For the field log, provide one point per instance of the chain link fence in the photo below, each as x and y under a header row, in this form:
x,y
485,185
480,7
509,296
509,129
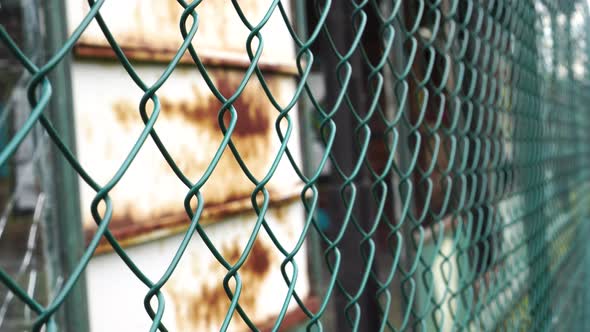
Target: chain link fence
x,y
445,175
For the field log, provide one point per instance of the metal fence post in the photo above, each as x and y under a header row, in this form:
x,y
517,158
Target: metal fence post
x,y
63,192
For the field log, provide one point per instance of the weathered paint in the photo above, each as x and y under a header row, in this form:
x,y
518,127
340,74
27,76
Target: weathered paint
x,y
149,198
148,216
195,298
149,30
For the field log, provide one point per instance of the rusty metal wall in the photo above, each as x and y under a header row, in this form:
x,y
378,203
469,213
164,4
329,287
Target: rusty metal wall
x,y
108,122
148,30
149,217
195,298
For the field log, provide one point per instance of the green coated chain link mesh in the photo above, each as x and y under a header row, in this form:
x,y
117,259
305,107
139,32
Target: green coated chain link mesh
x,y
466,180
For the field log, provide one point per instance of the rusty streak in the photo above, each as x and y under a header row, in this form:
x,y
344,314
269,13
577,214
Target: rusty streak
x,y
150,55
211,304
252,108
129,231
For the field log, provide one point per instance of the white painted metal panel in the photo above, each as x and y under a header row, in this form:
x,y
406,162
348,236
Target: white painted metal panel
x,y
195,300
150,30
149,198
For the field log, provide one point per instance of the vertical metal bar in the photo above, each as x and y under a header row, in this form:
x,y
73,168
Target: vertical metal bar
x,y
64,211
586,260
